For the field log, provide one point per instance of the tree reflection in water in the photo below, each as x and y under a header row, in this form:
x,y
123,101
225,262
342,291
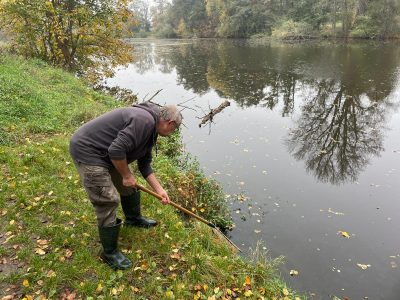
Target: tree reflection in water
x,y
337,133
344,91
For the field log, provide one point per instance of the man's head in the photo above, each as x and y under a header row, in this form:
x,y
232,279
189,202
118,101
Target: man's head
x,y
170,119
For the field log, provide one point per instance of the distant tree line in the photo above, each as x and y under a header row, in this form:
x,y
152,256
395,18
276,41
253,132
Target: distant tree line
x,y
286,19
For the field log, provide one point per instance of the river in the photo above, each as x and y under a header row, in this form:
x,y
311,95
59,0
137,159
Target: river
x,y
308,151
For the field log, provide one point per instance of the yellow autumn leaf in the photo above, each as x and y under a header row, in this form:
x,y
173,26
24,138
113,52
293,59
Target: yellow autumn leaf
x,y
99,288
247,281
285,292
262,290
344,233
134,289
39,251
364,267
248,293
51,274
25,283
205,287
169,294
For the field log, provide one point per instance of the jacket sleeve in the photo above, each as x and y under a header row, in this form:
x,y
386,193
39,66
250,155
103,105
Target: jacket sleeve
x,y
135,133
144,164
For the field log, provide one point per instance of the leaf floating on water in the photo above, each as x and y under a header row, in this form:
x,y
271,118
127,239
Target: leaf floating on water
x,y
294,273
364,267
257,231
344,233
335,212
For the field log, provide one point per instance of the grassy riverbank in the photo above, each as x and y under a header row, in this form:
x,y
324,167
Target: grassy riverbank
x,y
48,235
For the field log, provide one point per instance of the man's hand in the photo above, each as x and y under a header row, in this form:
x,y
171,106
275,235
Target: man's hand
x,y
156,186
165,199
129,181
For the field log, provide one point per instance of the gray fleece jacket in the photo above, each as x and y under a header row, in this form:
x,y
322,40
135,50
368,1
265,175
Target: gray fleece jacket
x,y
128,132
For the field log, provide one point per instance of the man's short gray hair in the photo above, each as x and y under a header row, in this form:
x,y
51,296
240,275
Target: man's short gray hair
x,y
171,113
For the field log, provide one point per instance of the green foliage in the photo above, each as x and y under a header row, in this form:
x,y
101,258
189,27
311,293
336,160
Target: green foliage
x,y
80,36
243,18
188,185
292,30
381,19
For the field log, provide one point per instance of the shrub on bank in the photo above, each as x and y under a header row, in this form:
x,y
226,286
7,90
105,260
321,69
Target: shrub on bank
x,y
291,30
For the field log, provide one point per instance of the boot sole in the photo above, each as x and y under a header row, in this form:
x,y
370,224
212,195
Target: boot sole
x,y
112,266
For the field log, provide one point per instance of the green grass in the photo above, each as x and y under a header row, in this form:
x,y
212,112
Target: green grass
x,y
48,237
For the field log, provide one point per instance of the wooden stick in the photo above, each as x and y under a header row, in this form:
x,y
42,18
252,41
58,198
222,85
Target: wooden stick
x,y
144,189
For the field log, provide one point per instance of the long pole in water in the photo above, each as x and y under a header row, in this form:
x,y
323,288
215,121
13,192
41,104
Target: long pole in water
x,y
177,206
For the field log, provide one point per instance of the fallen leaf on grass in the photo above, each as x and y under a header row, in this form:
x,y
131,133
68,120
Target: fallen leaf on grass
x,y
247,281
169,294
25,283
248,293
175,256
285,292
68,253
135,289
40,251
67,295
172,267
51,274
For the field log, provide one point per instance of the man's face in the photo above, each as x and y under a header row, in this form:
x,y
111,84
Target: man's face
x,y
165,128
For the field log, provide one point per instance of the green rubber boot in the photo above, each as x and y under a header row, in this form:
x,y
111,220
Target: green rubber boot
x,y
131,208
110,254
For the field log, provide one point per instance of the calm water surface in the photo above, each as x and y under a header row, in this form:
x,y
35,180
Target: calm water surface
x,y
309,147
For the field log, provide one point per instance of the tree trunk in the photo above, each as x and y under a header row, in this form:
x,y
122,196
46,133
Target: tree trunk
x,y
334,18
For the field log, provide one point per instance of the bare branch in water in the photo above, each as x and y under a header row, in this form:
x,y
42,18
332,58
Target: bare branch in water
x,y
209,117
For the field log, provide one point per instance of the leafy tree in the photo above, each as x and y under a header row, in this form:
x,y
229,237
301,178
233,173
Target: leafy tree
x,y
182,31
81,36
141,9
